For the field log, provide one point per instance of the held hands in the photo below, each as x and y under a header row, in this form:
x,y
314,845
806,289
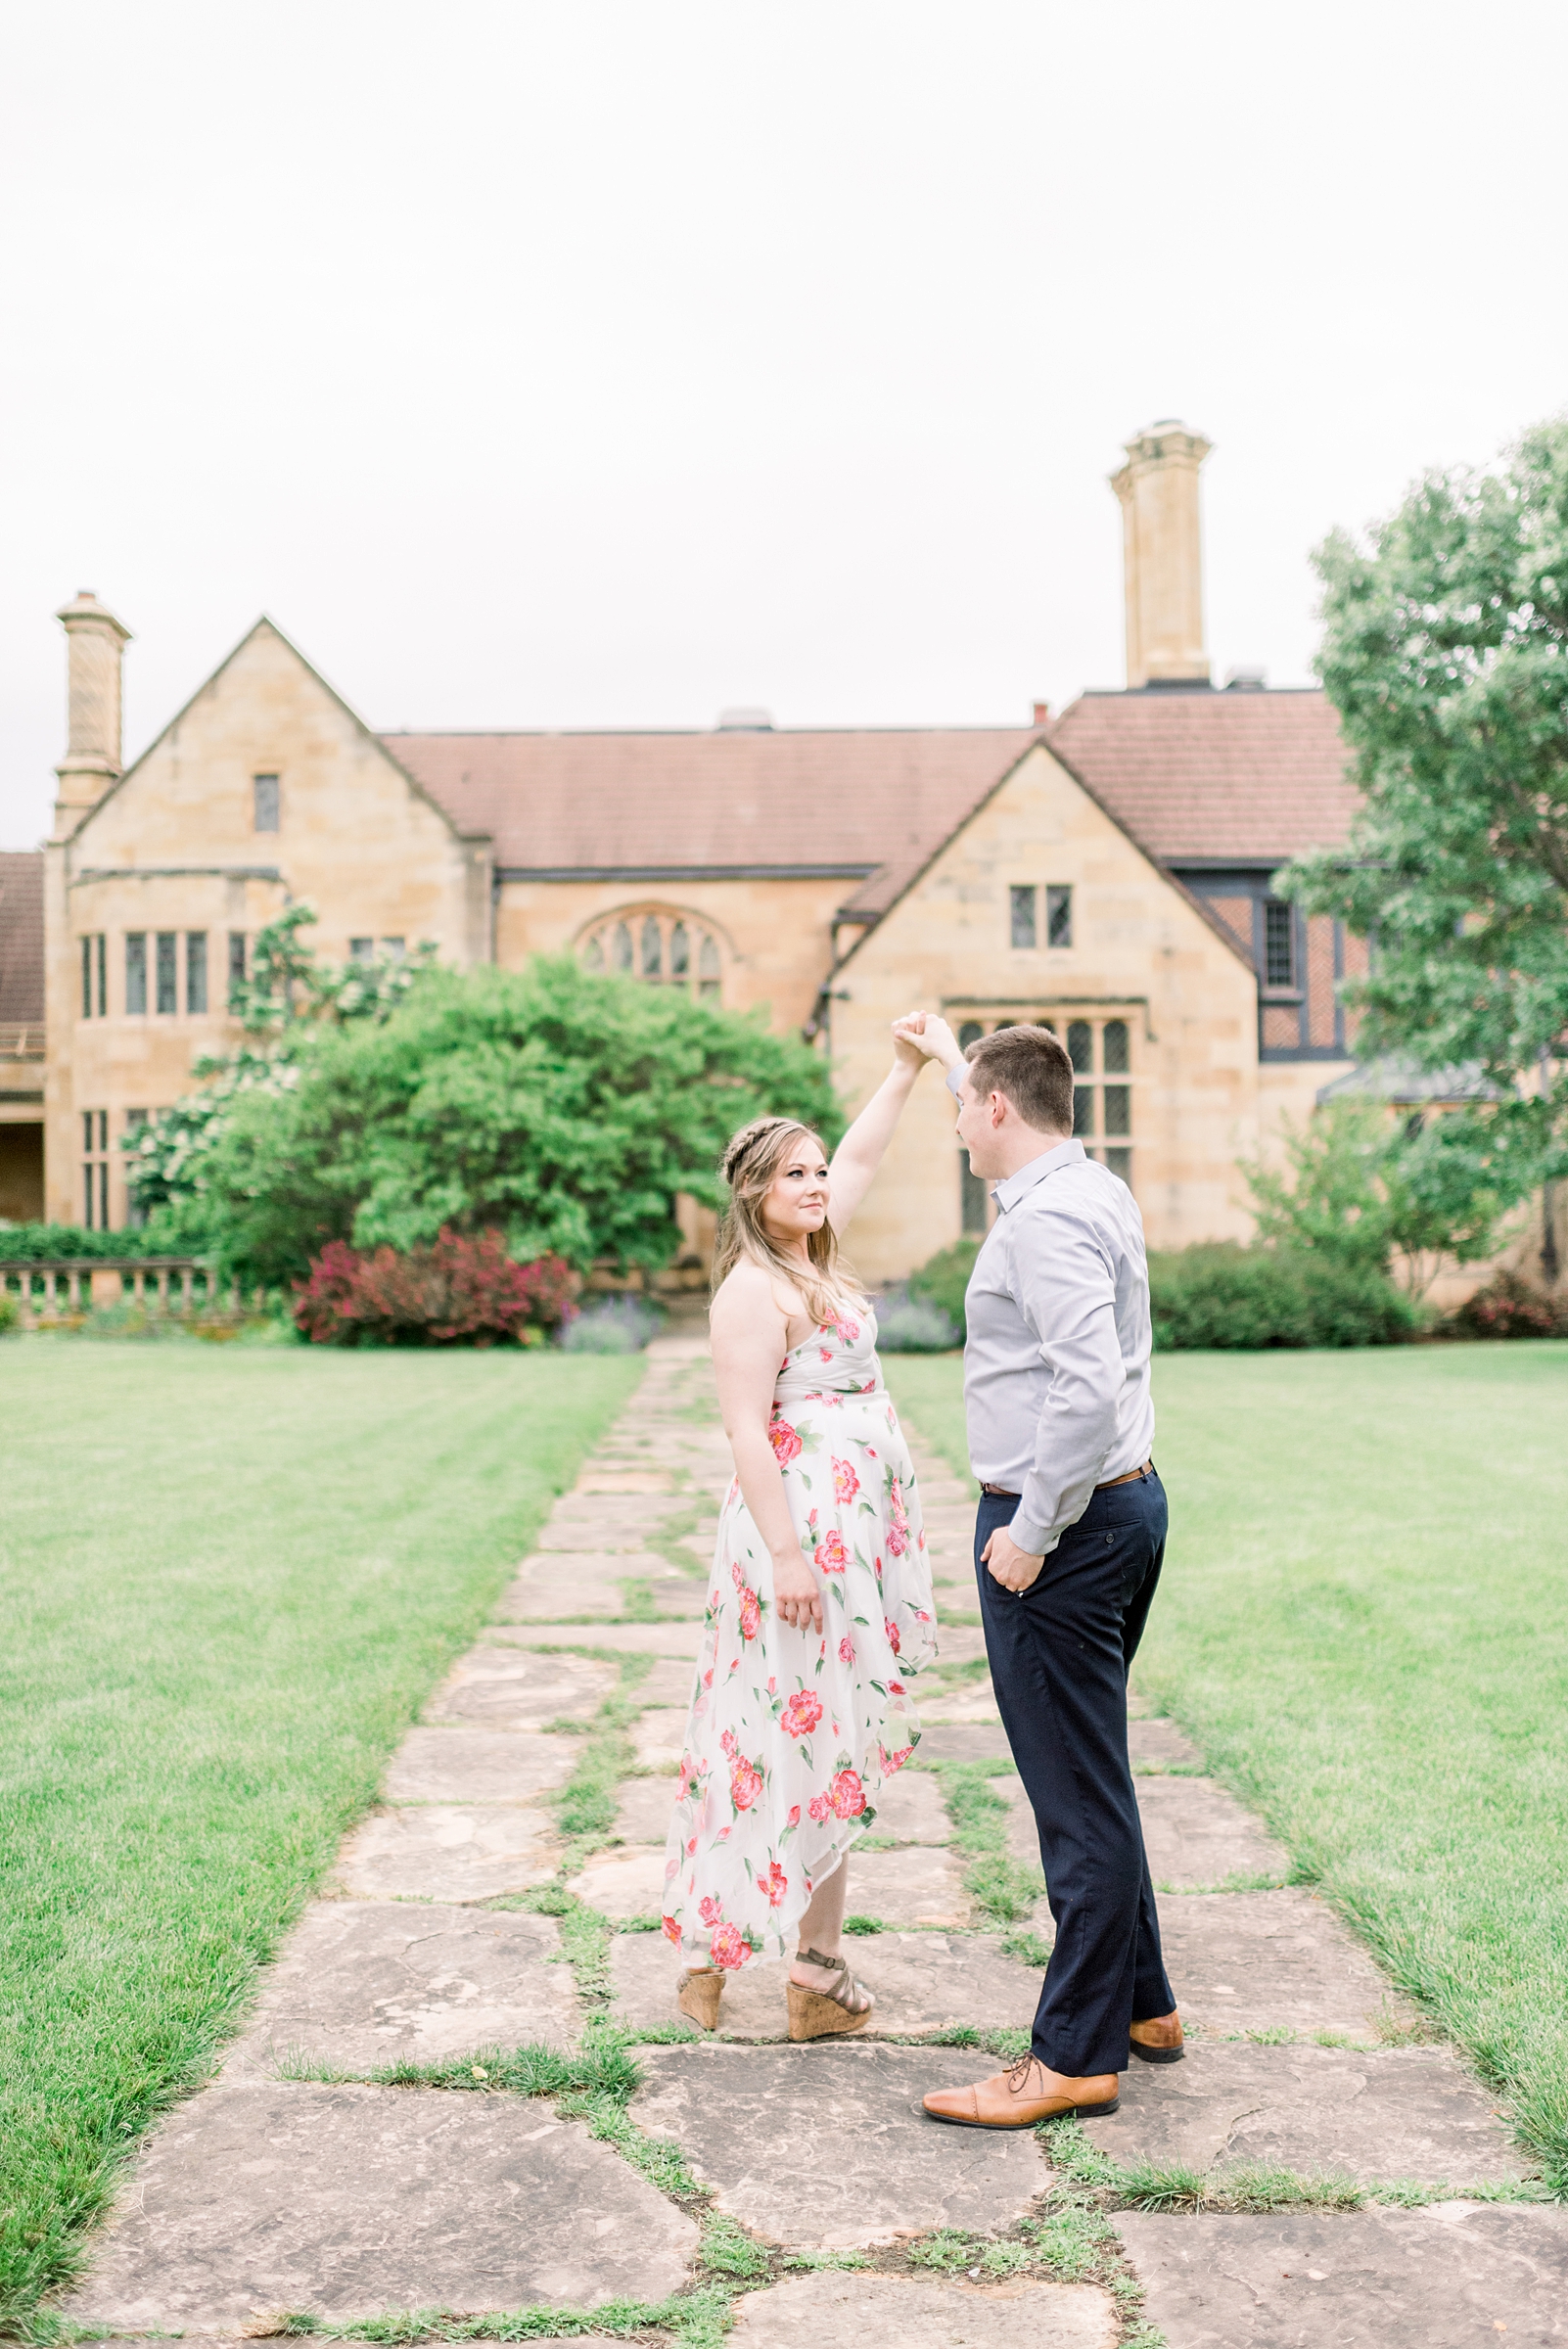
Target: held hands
x,y
924,1036
1014,1568
797,1593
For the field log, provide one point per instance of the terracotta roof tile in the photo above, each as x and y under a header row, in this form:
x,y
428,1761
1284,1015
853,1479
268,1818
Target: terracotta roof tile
x,y
873,805
1252,777
21,937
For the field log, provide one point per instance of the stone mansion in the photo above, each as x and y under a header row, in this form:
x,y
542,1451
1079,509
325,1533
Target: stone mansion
x,y
1108,871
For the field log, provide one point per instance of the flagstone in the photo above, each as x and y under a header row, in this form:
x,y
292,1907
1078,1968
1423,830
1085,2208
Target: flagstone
x,y
643,1810
604,1479
967,1701
916,1885
902,2312
1448,2276
1155,1743
1196,1835
910,1806
1269,1961
922,1982
825,2147
453,1765
626,1882
508,1688
1385,2115
349,2202
659,1736
669,1686
366,1983
555,1584
620,1638
958,1644
960,1741
447,1852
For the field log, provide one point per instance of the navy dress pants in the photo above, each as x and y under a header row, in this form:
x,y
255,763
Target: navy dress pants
x,y
1059,1658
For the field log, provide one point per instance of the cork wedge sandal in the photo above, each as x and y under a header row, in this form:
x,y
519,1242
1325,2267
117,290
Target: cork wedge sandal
x,y
698,1994
826,2014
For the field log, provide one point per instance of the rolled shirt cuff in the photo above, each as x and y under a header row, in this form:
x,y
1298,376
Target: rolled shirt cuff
x,y
955,1082
1033,1540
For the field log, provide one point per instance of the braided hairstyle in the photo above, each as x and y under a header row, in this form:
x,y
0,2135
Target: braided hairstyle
x,y
751,1162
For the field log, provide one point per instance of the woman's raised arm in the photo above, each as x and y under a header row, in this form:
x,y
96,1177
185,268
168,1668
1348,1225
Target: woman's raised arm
x,y
861,1151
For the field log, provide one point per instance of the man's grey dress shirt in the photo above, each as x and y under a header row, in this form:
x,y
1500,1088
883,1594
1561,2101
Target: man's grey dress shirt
x,y
1056,1367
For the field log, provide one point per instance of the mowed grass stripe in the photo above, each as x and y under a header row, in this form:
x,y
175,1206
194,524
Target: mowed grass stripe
x,y
1365,1622
228,1580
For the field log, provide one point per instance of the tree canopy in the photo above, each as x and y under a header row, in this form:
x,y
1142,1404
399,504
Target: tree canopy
x,y
1446,653
565,1108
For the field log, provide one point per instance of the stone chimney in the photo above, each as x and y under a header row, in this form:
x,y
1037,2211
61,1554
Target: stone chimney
x,y
1163,556
92,760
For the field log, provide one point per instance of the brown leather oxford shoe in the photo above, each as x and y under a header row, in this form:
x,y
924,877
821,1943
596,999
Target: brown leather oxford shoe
x,y
1159,2040
1017,2098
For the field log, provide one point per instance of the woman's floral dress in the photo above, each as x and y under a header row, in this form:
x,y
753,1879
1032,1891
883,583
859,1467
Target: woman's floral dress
x,y
792,1732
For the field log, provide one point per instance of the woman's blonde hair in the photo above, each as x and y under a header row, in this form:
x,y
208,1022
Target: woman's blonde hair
x,y
749,1165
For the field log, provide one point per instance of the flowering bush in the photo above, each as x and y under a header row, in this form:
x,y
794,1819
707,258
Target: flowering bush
x,y
459,1292
1510,1307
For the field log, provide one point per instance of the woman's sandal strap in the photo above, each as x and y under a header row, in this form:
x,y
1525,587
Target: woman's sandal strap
x,y
846,1985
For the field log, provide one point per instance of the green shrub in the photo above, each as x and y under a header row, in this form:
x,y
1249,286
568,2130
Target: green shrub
x,y
44,1243
9,1314
908,1324
616,1326
1223,1296
945,1280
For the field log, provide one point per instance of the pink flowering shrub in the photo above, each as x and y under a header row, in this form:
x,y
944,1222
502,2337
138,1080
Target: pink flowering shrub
x,y
461,1292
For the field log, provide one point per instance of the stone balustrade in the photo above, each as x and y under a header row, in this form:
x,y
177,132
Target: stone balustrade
x,y
74,1285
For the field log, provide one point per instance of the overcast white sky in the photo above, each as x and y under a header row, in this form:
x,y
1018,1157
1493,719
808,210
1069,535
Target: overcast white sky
x,y
600,363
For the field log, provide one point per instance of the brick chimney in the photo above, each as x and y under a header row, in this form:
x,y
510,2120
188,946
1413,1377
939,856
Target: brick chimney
x,y
96,640
1163,555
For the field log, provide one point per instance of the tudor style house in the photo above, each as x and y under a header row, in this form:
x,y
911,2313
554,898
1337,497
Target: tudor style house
x,y
1110,873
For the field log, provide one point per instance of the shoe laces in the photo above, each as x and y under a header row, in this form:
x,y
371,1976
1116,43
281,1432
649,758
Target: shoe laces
x,y
1018,2073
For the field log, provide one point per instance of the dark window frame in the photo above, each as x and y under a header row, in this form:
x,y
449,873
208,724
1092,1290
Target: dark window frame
x,y
167,974
1022,915
266,803
196,973
1059,916
136,973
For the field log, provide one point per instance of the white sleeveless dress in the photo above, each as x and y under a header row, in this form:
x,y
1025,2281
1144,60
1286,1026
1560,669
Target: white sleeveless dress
x,y
793,1733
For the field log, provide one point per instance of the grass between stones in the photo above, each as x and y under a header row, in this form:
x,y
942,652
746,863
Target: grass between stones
x,y
1001,1887
229,1578
1365,1623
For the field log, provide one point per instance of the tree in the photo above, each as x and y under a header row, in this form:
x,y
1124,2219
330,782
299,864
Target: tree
x,y
565,1108
1360,1190
287,995
1446,653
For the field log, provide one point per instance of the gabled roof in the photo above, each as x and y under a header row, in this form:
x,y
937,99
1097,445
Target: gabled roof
x,y
269,627
21,937
866,804
1203,778
1172,881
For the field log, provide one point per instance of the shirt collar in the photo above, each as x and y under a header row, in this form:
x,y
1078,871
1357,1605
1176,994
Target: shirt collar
x,y
1014,1187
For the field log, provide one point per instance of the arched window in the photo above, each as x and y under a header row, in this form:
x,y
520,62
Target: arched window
x,y
658,945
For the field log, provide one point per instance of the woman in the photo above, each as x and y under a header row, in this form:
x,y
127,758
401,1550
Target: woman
x,y
820,1609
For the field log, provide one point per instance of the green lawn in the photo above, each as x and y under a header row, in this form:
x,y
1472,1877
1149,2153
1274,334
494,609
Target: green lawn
x,y
228,1577
1364,1620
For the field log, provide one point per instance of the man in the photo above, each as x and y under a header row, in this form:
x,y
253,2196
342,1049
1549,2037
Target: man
x,y
1068,1546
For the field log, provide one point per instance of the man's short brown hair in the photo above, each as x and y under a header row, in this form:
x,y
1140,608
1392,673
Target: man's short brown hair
x,y
1031,1066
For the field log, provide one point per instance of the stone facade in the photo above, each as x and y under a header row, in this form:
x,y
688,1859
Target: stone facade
x,y
1109,873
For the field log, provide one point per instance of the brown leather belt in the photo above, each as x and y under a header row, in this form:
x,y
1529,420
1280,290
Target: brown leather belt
x,y
1132,1477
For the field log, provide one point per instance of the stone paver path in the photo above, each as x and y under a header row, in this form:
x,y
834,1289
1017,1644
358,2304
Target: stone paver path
x,y
501,1897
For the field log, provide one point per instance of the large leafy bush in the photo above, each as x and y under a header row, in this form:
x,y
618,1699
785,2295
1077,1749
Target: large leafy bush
x,y
1221,1295
564,1109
